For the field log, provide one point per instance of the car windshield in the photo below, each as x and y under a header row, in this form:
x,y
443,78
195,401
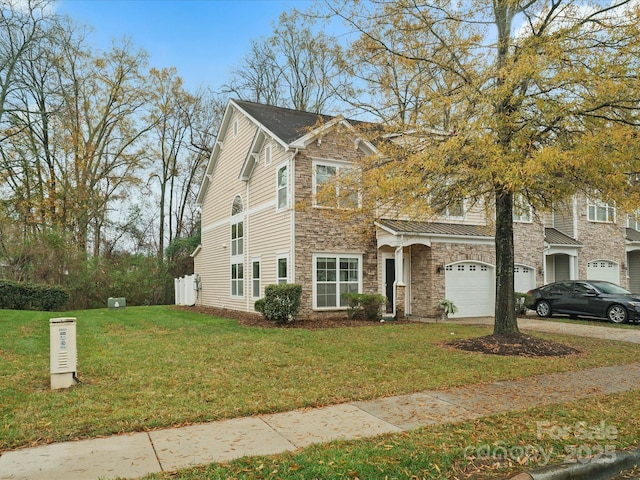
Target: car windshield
x,y
610,288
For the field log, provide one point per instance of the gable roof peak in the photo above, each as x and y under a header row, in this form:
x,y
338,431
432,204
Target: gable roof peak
x,y
286,124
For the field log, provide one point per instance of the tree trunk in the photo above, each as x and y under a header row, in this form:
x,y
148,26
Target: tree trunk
x,y
505,313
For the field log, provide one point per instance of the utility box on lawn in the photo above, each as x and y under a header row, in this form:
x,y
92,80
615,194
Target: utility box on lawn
x,y
119,302
63,353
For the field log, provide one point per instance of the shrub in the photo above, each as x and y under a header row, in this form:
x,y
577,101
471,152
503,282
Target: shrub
x,y
447,307
280,303
364,305
26,296
522,300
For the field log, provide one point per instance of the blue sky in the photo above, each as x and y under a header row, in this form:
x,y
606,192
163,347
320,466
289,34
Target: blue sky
x,y
204,39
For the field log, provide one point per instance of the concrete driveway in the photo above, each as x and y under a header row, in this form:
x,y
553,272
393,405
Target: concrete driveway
x,y
599,329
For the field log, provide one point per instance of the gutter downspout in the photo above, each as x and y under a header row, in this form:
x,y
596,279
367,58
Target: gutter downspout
x,y
247,250
292,228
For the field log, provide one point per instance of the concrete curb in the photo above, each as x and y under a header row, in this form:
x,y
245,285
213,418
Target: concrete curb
x,y
594,469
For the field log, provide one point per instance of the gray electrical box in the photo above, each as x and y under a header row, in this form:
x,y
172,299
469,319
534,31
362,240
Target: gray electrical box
x,y
63,352
119,302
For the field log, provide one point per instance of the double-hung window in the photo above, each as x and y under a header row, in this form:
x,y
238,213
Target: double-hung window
x,y
282,186
255,278
335,185
598,211
333,276
282,269
522,211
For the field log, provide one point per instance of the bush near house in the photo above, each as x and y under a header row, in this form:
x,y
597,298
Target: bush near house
x,y
364,305
521,302
31,296
280,303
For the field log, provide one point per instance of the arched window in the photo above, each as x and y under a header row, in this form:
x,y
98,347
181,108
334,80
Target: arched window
x,y
237,205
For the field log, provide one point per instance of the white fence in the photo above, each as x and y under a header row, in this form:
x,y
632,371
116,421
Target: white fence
x,y
186,290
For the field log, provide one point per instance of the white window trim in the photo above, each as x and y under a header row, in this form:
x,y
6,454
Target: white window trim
x,y
278,188
337,256
611,211
237,258
527,218
633,221
448,215
279,257
253,279
339,166
235,128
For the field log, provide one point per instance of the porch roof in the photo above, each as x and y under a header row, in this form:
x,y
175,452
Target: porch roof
x,y
557,238
633,235
433,230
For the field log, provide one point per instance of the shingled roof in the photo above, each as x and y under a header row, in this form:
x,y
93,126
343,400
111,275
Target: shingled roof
x,y
411,227
556,237
285,123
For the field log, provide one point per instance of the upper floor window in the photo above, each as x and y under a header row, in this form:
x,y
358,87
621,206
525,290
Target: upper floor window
x,y
334,185
522,211
235,128
633,220
236,208
454,209
282,187
598,211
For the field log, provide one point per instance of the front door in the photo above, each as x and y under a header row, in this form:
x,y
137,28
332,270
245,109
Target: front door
x,y
389,279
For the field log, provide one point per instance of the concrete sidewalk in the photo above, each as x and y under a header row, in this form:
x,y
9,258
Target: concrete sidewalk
x,y
170,449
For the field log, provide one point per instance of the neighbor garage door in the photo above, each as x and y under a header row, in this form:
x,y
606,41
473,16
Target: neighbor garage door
x,y
469,285
524,278
603,270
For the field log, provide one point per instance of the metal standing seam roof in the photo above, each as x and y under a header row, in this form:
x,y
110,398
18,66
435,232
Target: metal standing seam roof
x,y
412,227
556,237
633,235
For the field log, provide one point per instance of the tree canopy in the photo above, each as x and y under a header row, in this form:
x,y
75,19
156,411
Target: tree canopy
x,y
501,102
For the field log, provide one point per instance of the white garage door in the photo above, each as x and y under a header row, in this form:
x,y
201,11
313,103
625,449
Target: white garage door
x,y
603,270
524,278
469,285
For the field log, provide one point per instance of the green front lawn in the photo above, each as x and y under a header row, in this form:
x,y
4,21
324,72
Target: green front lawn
x,y
149,367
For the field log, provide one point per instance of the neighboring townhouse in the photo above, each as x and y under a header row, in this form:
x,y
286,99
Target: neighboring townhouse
x,y
262,224
589,239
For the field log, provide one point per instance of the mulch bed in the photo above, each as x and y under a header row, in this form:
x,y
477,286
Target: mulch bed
x,y
508,345
516,344
249,319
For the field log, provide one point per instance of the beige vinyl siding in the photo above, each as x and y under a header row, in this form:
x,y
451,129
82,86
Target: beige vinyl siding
x,y
563,218
269,228
213,263
267,232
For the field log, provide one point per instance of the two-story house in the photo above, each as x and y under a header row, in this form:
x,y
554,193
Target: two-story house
x,y
263,223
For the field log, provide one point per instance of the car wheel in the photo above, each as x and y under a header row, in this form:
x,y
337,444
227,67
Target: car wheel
x,y
617,314
543,308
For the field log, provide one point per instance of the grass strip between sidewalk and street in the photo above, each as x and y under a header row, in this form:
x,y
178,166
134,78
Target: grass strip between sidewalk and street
x,y
493,447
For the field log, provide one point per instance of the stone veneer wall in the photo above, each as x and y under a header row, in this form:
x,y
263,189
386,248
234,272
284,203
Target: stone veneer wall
x,y
528,239
322,230
602,241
